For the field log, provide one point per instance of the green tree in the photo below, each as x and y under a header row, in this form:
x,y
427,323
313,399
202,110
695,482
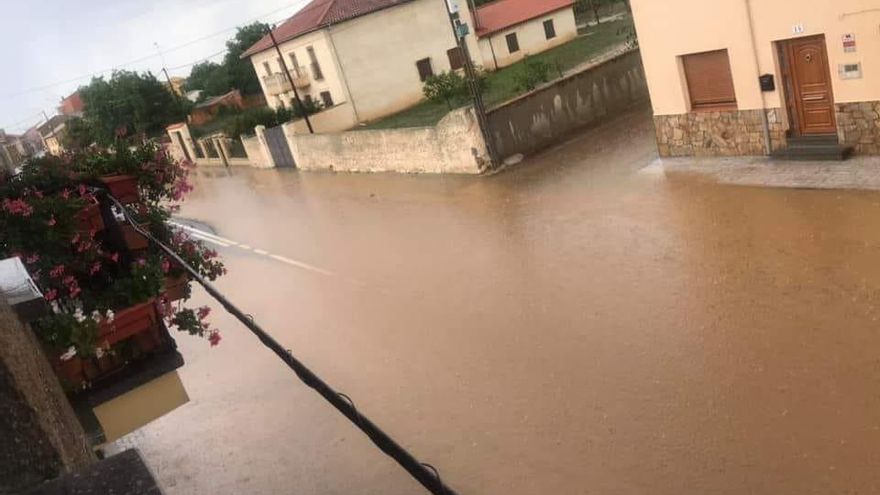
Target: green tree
x,y
233,73
240,72
78,134
210,78
531,74
129,103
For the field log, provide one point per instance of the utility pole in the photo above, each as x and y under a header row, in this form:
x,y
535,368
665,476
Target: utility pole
x,y
167,77
290,80
476,91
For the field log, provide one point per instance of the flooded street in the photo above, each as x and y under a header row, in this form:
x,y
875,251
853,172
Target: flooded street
x,y
571,326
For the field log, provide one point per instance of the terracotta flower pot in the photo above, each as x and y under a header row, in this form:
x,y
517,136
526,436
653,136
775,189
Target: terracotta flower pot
x,y
141,319
89,218
70,371
175,287
134,241
122,187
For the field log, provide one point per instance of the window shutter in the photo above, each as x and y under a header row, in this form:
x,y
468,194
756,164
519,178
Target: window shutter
x,y
456,59
709,80
549,29
425,70
512,43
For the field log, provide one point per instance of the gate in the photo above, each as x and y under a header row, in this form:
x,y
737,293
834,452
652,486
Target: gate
x,y
279,148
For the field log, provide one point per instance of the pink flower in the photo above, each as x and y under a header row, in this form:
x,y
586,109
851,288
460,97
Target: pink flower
x,y
51,221
30,260
114,257
75,239
65,194
74,290
210,254
51,295
214,338
95,268
57,271
142,262
17,207
82,190
203,312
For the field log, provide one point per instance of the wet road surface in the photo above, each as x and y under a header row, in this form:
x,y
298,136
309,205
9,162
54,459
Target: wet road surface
x,y
571,326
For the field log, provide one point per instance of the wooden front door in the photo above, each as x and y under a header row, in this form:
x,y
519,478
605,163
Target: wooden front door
x,y
808,78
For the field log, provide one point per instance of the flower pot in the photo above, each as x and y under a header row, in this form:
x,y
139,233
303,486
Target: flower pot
x,y
175,287
141,319
134,241
70,371
89,219
123,187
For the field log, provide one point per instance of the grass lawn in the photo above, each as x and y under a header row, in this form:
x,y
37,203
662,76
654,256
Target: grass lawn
x,y
501,84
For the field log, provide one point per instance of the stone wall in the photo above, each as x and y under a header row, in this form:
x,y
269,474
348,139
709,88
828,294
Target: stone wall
x,y
723,133
455,145
858,125
553,112
40,437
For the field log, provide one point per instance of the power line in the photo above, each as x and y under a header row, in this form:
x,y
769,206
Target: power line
x,y
152,56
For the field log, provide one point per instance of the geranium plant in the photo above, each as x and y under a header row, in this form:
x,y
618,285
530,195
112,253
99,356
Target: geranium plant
x,y
56,217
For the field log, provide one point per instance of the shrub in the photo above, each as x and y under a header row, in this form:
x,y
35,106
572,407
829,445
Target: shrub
x,y
531,74
446,87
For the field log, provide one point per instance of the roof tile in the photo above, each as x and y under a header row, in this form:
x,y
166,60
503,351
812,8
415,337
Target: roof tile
x,y
502,14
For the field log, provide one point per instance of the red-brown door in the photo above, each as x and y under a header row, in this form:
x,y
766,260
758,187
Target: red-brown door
x,y
810,90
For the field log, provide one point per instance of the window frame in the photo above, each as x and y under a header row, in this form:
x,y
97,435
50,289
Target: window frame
x,y
327,100
295,62
549,29
699,92
514,46
425,75
267,67
456,58
317,73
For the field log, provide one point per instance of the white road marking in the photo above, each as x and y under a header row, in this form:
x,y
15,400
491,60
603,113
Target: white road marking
x,y
208,239
204,234
224,242
304,266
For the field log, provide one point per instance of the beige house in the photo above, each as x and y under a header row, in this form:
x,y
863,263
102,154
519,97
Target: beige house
x,y
746,77
361,59
366,59
509,30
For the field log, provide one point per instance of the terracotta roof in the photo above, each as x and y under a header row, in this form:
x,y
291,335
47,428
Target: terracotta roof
x,y
502,14
318,14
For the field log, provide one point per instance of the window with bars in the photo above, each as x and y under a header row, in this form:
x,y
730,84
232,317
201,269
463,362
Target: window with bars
x,y
709,80
512,43
294,69
549,29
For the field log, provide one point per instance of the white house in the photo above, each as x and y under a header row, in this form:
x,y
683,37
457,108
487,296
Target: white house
x,y
509,30
367,59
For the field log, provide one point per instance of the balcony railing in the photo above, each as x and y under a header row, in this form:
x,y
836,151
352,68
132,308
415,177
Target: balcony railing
x,y
277,84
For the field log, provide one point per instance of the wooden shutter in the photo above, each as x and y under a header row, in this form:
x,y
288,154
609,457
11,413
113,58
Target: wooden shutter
x,y
425,70
456,59
512,43
549,29
709,80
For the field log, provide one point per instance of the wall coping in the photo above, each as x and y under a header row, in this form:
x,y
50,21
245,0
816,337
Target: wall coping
x,y
605,59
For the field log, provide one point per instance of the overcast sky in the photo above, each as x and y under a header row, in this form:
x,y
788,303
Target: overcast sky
x,y
49,42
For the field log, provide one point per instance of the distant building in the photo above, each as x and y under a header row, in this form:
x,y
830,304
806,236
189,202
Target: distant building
x,y
176,86
207,110
509,30
52,133
73,105
14,149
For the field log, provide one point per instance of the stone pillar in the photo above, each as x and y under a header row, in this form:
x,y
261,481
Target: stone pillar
x,y
261,136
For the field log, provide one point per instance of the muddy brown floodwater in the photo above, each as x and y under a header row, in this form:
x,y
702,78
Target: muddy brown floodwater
x,y
572,326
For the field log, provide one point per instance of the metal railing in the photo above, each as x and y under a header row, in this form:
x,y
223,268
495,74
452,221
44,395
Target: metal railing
x,y
277,84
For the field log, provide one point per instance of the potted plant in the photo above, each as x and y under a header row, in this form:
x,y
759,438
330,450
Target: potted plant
x,y
109,300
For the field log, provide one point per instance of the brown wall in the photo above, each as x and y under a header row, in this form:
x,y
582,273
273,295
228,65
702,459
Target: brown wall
x,y
40,437
551,113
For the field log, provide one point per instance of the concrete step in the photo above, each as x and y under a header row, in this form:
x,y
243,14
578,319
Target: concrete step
x,y
813,152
